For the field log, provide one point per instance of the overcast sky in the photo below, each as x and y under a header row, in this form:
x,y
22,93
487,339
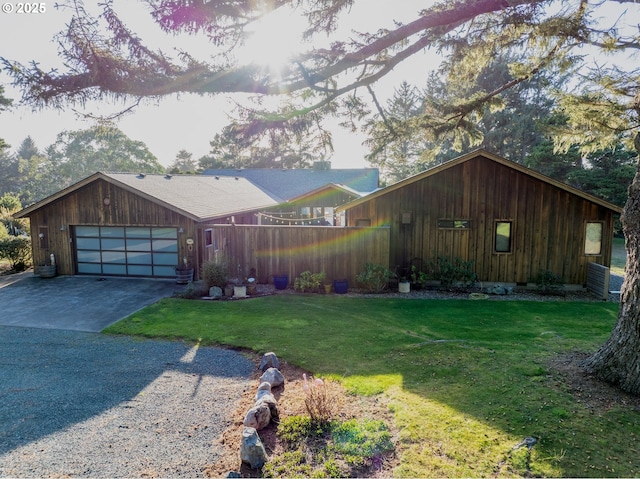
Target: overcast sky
x,y
185,122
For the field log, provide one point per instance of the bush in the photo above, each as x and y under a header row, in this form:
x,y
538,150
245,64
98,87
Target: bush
x,y
547,282
308,281
446,271
214,273
320,400
16,249
375,278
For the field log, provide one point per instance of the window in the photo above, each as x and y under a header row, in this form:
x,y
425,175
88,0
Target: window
x,y
502,237
593,239
208,237
454,224
305,212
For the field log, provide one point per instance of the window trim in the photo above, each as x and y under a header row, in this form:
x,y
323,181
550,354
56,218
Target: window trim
x,y
495,236
443,224
584,244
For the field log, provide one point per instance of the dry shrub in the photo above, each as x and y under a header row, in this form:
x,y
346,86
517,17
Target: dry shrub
x,y
321,400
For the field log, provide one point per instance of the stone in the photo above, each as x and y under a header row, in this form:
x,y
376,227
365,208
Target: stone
x,y
270,400
258,417
269,360
215,292
497,289
273,376
264,388
252,450
233,474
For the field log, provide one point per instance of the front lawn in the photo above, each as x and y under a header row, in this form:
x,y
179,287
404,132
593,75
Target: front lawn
x,y
466,380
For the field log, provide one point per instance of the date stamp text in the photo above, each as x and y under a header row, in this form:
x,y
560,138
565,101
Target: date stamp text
x,y
24,8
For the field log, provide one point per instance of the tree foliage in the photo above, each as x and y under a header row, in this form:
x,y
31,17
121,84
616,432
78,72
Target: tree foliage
x,y
78,154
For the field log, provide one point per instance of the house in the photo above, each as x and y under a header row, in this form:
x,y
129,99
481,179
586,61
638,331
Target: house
x,y
138,224
309,196
510,221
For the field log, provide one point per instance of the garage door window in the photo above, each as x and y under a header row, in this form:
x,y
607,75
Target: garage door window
x,y
127,251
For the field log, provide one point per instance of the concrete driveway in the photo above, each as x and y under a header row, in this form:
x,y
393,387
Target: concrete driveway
x,y
76,303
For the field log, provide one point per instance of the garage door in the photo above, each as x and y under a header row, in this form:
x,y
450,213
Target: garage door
x,y
126,251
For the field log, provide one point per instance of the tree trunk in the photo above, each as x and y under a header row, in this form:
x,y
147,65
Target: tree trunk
x,y
618,360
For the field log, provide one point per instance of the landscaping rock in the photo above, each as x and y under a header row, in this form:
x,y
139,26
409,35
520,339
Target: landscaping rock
x,y
273,376
271,402
264,388
499,290
258,417
252,450
269,360
215,292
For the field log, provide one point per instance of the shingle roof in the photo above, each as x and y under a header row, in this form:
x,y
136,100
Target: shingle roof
x,y
292,183
196,196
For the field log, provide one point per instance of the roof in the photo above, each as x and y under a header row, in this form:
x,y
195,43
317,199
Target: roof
x,y
490,156
195,196
293,183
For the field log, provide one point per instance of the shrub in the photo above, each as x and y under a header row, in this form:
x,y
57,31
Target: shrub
x,y
375,278
446,271
320,401
16,249
308,281
547,282
214,273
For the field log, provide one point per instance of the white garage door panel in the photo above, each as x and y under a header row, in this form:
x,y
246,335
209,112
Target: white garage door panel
x,y
126,251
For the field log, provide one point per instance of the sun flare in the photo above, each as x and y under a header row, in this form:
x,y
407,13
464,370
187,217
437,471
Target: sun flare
x,y
273,40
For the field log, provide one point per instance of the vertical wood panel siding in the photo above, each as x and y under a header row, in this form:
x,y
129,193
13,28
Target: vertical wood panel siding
x,y
338,252
86,207
548,229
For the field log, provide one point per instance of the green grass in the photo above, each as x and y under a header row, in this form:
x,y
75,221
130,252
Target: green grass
x,y
618,256
466,380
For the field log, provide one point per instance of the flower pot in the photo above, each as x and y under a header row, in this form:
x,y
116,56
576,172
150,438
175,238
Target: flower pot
x,y
228,290
404,287
327,288
184,275
280,281
340,286
251,289
47,270
239,291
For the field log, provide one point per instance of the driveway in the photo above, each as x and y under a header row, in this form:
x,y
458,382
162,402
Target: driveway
x,y
75,303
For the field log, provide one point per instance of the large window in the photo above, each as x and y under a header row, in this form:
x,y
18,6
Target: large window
x,y
503,236
593,239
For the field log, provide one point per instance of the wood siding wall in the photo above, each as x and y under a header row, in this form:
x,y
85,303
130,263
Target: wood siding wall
x,y
548,223
338,252
86,207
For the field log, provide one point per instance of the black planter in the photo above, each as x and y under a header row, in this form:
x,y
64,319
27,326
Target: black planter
x,y
340,286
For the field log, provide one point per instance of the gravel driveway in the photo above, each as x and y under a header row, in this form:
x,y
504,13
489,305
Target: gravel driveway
x,y
86,405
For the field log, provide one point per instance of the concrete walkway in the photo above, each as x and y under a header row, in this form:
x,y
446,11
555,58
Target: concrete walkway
x,y
75,303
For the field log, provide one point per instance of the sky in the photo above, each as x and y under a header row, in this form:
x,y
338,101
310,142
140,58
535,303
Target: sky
x,y
170,124
187,121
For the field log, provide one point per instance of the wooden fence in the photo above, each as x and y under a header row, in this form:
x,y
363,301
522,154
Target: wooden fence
x,y
598,280
290,250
